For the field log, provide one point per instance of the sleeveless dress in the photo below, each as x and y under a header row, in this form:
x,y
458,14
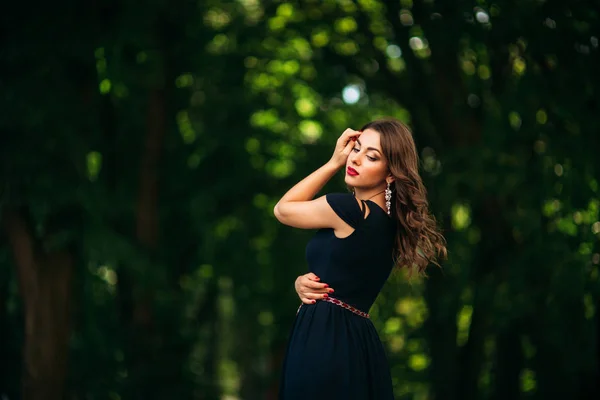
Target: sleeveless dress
x,y
334,351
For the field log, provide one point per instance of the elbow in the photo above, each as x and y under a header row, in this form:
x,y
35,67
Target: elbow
x,y
277,212
280,213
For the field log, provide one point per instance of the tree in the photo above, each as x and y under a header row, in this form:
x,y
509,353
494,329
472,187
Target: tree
x,y
143,150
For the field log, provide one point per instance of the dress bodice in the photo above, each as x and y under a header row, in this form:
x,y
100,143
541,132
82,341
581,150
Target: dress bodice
x,y
356,266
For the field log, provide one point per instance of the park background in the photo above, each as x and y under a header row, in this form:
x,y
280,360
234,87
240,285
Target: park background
x,y
143,146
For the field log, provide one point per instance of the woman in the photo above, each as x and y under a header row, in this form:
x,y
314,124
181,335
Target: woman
x,y
334,351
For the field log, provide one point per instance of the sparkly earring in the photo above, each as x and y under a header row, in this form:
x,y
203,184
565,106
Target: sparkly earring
x,y
388,198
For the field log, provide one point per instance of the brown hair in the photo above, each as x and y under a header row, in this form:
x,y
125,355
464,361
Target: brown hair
x,y
419,241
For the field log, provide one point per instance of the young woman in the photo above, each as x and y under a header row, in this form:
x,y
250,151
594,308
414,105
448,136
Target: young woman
x,y
334,351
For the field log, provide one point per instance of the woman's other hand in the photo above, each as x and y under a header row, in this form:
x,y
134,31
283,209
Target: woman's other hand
x,y
343,147
309,288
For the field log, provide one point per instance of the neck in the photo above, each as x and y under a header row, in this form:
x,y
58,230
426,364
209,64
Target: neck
x,y
369,194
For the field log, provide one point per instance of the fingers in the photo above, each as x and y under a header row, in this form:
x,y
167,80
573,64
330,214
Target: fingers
x,y
350,133
306,282
311,298
348,148
312,276
310,290
314,296
305,290
317,286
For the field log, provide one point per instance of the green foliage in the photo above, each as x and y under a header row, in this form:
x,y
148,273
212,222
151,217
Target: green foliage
x,y
502,99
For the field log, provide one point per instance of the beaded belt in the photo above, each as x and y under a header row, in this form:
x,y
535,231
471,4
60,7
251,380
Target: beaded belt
x,y
343,305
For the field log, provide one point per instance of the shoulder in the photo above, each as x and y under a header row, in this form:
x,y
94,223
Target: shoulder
x,y
343,199
340,196
346,206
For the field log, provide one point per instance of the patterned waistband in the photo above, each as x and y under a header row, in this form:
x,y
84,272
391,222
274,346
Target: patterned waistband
x,y
343,305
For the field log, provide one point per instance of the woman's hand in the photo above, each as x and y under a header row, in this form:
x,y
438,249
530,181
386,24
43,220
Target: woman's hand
x,y
343,147
309,288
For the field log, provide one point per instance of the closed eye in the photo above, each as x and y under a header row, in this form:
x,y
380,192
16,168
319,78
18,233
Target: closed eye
x,y
356,150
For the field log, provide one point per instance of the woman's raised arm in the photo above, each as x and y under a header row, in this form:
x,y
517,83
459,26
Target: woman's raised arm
x,y
297,207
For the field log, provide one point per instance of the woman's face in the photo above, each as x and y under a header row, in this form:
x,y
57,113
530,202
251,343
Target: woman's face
x,y
366,167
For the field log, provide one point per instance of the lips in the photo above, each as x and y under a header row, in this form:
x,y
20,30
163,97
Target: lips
x,y
351,171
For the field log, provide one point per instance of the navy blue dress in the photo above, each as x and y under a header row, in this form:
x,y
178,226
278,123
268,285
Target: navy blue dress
x,y
334,353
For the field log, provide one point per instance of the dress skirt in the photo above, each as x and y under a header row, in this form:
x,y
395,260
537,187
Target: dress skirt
x,y
333,354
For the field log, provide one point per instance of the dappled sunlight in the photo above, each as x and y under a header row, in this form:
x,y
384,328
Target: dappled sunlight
x,y
305,107
431,163
461,216
108,275
226,226
220,44
105,86
184,80
217,18
572,223
413,310
280,168
527,380
144,152
345,25
311,130
463,324
351,94
320,37
94,165
188,134
393,51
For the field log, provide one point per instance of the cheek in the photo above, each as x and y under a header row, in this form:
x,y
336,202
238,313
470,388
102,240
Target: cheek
x,y
376,171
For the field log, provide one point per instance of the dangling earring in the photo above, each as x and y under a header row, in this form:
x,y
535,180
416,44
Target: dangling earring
x,y
388,198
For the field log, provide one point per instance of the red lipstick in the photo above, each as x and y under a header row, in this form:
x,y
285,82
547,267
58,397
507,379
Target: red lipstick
x,y
351,171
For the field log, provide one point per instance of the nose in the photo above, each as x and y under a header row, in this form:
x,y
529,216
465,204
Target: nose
x,y
355,158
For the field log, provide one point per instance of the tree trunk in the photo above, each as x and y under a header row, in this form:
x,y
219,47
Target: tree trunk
x,y
472,354
509,362
147,205
9,363
208,315
441,335
137,300
45,287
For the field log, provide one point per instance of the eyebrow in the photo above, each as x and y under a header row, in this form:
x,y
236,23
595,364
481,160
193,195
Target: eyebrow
x,y
368,148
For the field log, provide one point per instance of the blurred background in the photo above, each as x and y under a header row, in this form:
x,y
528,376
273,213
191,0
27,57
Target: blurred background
x,y
144,145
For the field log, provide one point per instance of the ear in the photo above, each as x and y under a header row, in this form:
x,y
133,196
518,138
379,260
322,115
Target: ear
x,y
390,179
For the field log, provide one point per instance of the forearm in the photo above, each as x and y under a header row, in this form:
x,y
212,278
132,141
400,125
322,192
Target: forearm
x,y
307,188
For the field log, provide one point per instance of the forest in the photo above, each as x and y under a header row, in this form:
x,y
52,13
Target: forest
x,y
143,146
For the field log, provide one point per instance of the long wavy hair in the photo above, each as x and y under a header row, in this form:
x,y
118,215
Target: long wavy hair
x,y
419,241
